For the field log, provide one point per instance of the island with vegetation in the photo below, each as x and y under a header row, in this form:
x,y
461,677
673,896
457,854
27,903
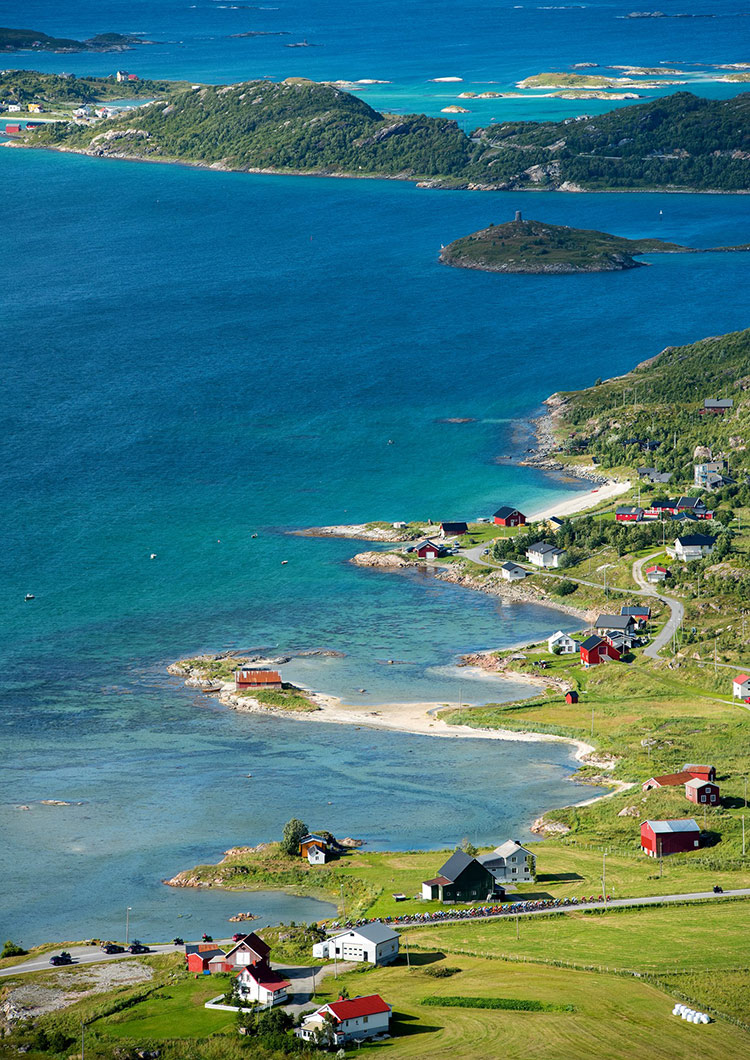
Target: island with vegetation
x,y
539,247
61,92
681,142
14,40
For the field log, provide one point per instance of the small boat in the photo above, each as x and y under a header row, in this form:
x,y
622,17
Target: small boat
x,y
284,562
152,556
29,596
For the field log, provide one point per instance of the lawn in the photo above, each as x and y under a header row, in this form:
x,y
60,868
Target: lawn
x,y
613,1018
175,1011
651,940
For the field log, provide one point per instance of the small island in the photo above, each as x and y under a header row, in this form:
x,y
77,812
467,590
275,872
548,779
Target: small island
x,y
15,40
538,247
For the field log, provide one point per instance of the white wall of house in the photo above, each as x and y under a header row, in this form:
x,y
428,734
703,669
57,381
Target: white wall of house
x,y
515,575
741,689
353,947
361,1027
566,644
253,991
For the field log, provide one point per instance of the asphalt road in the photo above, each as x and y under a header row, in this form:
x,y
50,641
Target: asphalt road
x,y
90,955
674,621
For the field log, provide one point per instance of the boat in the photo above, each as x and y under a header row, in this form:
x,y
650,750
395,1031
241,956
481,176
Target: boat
x,y
29,596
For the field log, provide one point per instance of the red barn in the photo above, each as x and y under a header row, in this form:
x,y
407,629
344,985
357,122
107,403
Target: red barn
x,y
507,516
571,696
629,515
659,838
200,955
245,678
596,650
429,550
668,780
12,129
702,792
700,772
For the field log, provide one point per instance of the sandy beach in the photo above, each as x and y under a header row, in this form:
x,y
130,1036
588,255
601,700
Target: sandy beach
x,y
579,502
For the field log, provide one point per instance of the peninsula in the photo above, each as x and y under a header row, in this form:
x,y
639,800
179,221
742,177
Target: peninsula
x,y
538,247
298,126
16,40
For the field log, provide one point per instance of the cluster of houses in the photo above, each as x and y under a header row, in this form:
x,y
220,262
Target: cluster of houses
x,y
613,636
680,508
660,838
464,878
248,957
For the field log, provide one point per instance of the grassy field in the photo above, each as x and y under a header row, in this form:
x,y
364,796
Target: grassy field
x,y
613,1018
176,1010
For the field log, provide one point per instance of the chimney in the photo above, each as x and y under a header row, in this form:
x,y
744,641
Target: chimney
x,y
518,217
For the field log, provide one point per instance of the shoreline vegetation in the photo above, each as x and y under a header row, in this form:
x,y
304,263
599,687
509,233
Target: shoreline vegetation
x,y
537,247
297,126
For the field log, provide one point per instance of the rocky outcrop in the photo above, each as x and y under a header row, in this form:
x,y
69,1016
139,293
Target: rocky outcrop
x,y
380,559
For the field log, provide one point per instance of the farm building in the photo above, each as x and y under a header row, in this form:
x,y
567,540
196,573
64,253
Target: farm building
x,y
513,572
565,644
205,957
595,650
372,944
246,678
347,1019
543,555
625,514
702,792
429,550
507,516
668,780
701,772
461,879
453,529
262,984
571,696
741,687
659,838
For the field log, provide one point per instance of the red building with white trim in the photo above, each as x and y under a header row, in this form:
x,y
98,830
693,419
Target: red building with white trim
x,y
702,792
597,650
507,516
659,838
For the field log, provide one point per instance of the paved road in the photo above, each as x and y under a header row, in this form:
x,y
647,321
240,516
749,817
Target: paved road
x,y
90,955
674,621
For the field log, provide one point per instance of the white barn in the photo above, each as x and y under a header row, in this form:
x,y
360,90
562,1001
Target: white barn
x,y
372,943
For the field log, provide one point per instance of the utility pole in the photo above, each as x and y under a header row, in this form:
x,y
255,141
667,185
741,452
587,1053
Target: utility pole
x,y
408,959
518,926
745,792
715,664
127,923
343,902
83,1042
592,719
660,858
743,835
604,879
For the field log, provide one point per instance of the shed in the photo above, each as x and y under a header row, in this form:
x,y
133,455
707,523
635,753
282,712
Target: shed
x,y
571,696
659,838
513,572
453,529
656,573
626,514
702,772
429,550
199,955
716,406
702,792
667,780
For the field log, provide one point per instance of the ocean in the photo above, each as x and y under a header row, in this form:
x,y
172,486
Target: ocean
x,y
191,358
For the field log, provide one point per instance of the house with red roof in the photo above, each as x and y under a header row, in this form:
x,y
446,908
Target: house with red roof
x,y
261,983
741,687
656,573
668,780
346,1020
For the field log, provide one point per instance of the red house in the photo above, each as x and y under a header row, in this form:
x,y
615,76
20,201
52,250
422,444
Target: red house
x,y
507,516
629,515
12,129
659,838
429,550
245,678
201,956
571,696
701,772
596,650
702,792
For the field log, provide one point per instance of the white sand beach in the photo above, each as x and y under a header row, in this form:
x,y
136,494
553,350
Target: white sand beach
x,y
579,502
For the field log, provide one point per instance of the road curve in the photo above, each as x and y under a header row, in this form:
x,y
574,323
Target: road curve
x,y
677,609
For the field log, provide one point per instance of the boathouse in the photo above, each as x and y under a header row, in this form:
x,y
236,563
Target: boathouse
x,y
701,772
245,678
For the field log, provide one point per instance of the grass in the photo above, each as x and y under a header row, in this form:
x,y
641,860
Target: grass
x,y
286,699
612,1018
175,1010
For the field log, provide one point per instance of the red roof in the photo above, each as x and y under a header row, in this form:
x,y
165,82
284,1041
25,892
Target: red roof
x,y
352,1008
669,780
741,678
258,677
656,566
438,879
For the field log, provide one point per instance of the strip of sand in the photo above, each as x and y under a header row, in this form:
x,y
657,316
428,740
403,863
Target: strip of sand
x,y
581,501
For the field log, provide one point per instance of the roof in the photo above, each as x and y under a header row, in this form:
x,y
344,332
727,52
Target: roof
x,y
624,510
504,511
669,780
695,783
690,502
454,527
429,544
257,677
513,566
656,566
591,642
206,954
312,837
455,865
257,945
692,767
543,548
741,678
353,1007
696,539
441,880
672,827
718,403
558,635
375,932
621,622
265,976
510,846
634,610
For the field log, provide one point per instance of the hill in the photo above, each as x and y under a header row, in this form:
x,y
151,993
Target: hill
x,y
301,126
12,40
534,246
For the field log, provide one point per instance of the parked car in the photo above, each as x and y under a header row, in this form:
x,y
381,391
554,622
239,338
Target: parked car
x,y
61,958
112,947
138,947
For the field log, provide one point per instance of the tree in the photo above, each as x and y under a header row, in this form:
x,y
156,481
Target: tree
x,y
12,949
294,830
468,847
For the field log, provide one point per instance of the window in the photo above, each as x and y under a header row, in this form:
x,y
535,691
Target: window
x,y
703,798
365,1019
514,870
513,858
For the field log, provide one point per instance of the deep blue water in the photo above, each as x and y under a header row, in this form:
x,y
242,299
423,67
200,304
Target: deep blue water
x,y
190,358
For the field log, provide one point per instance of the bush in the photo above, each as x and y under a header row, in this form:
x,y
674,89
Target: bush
x,y
294,830
519,1004
441,971
565,587
12,949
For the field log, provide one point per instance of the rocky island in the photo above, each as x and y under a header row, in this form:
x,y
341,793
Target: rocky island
x,y
14,40
538,247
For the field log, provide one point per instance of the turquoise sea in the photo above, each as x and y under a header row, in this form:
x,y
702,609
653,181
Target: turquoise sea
x,y
191,358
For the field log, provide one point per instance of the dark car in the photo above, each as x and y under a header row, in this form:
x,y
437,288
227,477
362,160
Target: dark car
x,y
178,941
138,947
61,958
112,947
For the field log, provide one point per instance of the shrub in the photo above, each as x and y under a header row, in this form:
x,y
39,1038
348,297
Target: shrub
x,y
519,1004
441,971
12,949
565,587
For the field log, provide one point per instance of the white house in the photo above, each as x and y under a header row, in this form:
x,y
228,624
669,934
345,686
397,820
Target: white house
x,y
510,863
317,854
262,984
513,572
346,1019
14,108
656,573
372,943
399,525
543,555
691,547
561,640
741,687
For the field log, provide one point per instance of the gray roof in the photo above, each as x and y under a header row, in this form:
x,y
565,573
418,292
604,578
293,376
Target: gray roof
x,y
673,826
513,566
376,932
543,547
697,539
622,622
718,403
455,865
